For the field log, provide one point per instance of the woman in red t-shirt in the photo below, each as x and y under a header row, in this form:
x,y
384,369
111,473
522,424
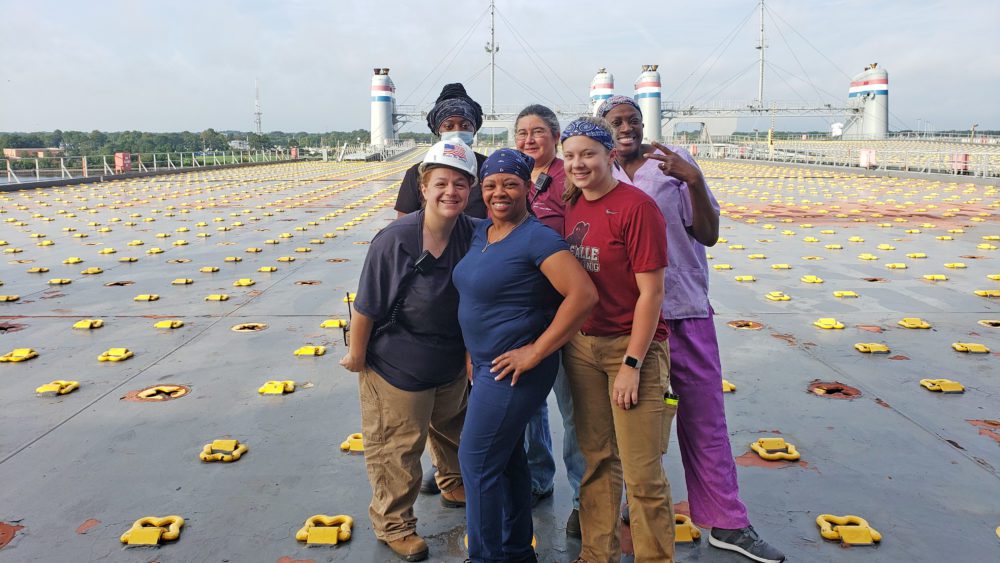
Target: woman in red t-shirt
x,y
618,363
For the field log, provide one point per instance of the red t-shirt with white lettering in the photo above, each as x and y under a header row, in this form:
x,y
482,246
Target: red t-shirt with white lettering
x,y
614,237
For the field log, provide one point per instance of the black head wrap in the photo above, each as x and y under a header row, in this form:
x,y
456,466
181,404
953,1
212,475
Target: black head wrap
x,y
454,101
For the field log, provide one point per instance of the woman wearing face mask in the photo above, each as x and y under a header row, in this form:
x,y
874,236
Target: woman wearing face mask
x,y
617,364
407,345
513,324
454,116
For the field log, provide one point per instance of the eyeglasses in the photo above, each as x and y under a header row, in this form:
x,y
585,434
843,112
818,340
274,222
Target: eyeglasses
x,y
535,133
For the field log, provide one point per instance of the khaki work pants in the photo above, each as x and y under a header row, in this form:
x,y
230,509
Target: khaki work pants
x,y
619,443
396,426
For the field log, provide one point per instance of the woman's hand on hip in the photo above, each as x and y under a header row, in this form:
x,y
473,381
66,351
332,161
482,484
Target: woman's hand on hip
x,y
625,392
516,362
352,363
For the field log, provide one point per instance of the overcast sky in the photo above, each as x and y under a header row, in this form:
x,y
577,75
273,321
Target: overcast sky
x,y
190,65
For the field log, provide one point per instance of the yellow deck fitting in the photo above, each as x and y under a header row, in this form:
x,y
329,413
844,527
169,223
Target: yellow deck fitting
x,y
60,281
310,351
209,269
728,387
845,294
349,298
354,444
267,269
127,259
286,259
19,355
828,323
886,247
303,249
994,277
935,277
756,256
684,530
867,256
232,259
150,530
992,293
955,265
169,323
834,247
871,348
746,279
775,449
777,296
942,385
916,255
990,323
945,237
896,266
855,239
88,324
225,451
810,239
58,387
146,297
182,281
325,530
781,267
115,355
914,322
851,530
254,249
333,323
217,297
991,237
277,387
162,392
970,348
9,298
155,250
72,260
986,246
811,279
243,282
722,267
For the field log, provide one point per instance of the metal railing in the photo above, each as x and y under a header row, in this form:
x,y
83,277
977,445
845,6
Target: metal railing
x,y
27,170
364,151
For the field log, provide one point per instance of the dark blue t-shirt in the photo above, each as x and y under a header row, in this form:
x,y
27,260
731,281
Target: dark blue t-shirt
x,y
505,301
423,348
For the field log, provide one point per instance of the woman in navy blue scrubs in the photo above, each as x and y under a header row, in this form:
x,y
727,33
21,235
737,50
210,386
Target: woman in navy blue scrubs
x,y
522,296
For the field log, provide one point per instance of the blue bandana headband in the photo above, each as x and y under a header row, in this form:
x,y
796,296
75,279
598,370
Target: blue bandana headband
x,y
507,161
588,129
450,108
616,100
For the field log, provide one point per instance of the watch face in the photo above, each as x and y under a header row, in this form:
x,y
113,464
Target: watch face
x,y
631,362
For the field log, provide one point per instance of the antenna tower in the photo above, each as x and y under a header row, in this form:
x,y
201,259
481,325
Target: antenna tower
x,y
492,48
761,47
256,109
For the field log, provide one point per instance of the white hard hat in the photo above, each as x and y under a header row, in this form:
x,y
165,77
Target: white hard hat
x,y
452,153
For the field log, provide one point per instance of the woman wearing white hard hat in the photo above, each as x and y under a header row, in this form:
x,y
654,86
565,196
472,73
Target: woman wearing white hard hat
x,y
407,346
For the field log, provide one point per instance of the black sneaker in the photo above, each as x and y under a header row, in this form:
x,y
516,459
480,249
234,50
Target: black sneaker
x,y
428,485
745,541
573,525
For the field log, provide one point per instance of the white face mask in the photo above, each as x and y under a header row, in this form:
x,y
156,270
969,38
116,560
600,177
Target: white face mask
x,y
467,137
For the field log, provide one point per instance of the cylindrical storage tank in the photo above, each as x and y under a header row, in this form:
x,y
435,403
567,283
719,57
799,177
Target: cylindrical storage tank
x,y
647,95
872,88
602,87
383,107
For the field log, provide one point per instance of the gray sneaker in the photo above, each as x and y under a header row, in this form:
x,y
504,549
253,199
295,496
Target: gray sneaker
x,y
745,541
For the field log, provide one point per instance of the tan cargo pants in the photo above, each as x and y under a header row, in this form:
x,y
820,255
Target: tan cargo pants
x,y
396,426
619,443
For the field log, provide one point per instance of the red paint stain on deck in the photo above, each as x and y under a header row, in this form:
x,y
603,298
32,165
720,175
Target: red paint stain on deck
x,y
786,337
287,559
899,357
882,403
90,523
988,428
871,328
7,532
751,459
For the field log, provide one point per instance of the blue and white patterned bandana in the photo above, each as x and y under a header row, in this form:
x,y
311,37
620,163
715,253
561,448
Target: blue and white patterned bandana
x,y
451,107
508,161
616,100
587,129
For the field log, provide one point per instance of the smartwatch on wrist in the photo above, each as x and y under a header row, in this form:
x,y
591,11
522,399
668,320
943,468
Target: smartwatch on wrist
x,y
632,362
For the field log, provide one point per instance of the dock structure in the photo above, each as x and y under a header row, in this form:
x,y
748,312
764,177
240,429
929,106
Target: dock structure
x,y
216,288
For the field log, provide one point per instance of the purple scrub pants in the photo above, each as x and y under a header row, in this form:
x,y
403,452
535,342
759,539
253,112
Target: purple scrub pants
x,y
709,468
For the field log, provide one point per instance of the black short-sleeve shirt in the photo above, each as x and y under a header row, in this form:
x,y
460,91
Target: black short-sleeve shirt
x,y
409,199
424,348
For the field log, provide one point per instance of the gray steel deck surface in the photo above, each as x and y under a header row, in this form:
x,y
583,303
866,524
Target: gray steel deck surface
x,y
77,470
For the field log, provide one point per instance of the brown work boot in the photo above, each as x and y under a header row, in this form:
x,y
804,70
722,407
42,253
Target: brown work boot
x,y
409,548
454,498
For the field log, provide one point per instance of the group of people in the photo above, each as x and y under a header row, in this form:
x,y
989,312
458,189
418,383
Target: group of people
x,y
512,276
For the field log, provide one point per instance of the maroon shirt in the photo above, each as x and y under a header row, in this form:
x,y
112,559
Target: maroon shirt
x,y
549,207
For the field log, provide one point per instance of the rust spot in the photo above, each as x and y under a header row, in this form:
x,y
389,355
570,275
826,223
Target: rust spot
x,y
882,403
308,282
750,459
120,283
361,242
786,337
23,261
158,316
11,327
52,295
90,523
871,328
7,532
974,257
337,260
159,396
988,428
287,559
745,325
249,327
833,390
899,357
254,293
875,280
178,261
